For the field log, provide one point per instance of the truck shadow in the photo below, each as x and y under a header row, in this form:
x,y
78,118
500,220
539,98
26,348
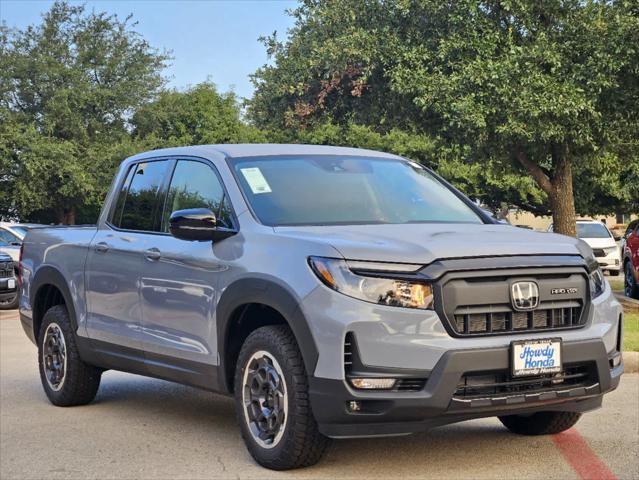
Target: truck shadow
x,y
450,451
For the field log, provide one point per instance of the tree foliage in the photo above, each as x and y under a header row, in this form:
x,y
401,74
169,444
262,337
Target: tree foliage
x,y
68,88
519,97
197,116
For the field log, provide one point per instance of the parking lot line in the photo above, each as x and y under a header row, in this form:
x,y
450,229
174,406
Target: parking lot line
x,y
580,456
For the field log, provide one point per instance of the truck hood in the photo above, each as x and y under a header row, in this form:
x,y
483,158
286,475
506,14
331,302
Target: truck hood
x,y
425,243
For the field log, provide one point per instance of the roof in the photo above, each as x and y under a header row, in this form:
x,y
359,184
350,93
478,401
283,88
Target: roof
x,y
265,149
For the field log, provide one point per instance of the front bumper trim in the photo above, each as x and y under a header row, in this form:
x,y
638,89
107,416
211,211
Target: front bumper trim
x,y
393,413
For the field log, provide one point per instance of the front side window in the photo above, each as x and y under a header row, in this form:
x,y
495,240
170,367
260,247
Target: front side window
x,y
342,190
592,230
140,203
195,185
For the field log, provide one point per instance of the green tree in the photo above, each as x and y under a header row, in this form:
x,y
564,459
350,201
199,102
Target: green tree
x,y
68,88
520,96
200,115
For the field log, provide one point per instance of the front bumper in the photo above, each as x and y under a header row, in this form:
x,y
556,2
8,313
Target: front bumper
x,y
396,413
610,262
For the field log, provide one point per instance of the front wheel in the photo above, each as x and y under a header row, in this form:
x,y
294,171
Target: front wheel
x,y
271,395
540,423
631,289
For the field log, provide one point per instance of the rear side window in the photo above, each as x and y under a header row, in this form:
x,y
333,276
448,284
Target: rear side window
x,y
141,199
196,185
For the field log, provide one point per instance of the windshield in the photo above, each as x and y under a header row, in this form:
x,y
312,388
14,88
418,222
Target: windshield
x,y
592,230
340,190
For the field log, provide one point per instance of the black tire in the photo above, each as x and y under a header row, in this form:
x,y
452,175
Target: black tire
x,y
300,443
540,423
80,382
10,304
631,289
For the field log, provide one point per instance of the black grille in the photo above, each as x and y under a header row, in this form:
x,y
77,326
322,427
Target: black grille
x,y
6,270
474,303
478,323
499,383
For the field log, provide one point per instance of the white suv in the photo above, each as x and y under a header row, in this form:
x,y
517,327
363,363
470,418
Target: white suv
x,y
602,242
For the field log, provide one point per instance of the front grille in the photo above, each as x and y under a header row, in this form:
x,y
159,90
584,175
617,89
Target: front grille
x,y
6,270
473,303
500,383
510,321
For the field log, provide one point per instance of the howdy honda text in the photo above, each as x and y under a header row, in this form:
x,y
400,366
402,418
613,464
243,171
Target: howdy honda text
x,y
539,358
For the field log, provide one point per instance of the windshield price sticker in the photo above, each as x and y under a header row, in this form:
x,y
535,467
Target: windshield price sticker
x,y
256,180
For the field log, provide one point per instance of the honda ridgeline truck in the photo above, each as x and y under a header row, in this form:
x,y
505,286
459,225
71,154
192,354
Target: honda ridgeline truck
x,y
334,292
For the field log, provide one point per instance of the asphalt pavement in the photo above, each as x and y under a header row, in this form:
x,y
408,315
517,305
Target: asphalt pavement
x,y
146,428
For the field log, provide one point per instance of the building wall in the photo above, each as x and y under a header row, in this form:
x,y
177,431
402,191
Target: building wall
x,y
519,217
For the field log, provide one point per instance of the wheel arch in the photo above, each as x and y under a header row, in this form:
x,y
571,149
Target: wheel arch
x,y
275,300
49,288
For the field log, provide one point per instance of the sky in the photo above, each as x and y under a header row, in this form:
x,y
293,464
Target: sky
x,y
209,39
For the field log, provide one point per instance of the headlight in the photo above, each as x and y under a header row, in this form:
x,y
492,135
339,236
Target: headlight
x,y
597,283
609,250
337,275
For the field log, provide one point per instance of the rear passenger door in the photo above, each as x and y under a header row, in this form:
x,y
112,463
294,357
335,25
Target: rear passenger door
x,y
117,254
179,286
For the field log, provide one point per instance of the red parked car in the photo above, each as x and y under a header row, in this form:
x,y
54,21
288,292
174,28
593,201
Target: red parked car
x,y
631,260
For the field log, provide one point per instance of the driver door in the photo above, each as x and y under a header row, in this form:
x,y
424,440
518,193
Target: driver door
x,y
178,287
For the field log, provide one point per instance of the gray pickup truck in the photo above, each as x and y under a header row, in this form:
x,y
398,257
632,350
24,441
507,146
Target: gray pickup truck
x,y
334,292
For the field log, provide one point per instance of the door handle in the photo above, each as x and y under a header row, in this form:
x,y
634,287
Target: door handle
x,y
152,254
101,247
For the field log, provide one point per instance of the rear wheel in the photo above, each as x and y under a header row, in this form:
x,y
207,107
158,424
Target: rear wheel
x,y
631,288
271,395
540,423
66,379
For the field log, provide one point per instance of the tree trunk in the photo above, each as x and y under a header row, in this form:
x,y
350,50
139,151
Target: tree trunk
x,y
66,216
562,200
558,187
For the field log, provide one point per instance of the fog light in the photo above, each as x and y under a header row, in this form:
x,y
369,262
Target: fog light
x,y
354,406
615,361
373,383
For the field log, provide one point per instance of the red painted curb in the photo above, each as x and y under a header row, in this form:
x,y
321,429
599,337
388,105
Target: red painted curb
x,y
580,456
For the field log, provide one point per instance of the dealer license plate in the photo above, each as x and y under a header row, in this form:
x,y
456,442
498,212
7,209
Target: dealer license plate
x,y
535,357
11,284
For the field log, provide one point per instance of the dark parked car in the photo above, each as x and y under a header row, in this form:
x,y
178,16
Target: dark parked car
x,y
8,283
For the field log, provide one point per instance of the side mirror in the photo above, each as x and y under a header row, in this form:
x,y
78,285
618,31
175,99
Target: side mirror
x,y
197,224
616,237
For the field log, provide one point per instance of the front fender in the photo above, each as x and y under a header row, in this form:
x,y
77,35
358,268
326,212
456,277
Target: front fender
x,y
267,291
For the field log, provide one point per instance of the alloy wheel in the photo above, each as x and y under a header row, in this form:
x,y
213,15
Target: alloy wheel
x,y
54,356
264,396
